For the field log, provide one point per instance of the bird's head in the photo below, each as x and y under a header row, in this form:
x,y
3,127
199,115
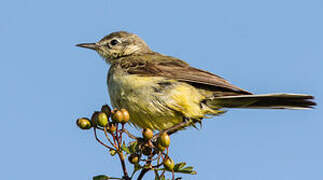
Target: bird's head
x,y
118,44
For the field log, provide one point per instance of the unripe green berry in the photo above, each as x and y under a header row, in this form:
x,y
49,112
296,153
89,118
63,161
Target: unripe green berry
x,y
102,119
126,116
164,140
133,158
117,117
168,164
147,133
84,123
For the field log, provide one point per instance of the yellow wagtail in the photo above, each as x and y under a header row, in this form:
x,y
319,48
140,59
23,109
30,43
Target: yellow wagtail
x,y
161,91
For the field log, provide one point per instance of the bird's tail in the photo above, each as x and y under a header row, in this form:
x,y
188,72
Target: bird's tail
x,y
264,101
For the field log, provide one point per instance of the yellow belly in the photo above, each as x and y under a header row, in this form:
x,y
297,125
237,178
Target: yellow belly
x,y
154,102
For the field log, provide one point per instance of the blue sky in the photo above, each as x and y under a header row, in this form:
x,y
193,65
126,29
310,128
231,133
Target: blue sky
x,y
261,46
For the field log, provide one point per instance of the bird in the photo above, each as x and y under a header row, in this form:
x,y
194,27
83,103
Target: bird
x,y
161,91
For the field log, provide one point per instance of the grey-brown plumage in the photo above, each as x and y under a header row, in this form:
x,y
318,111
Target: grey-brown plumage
x,y
219,91
160,91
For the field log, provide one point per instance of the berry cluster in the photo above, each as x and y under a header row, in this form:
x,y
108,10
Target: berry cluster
x,y
146,153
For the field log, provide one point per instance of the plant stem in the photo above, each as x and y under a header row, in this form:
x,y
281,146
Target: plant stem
x,y
129,134
123,165
142,173
96,137
145,170
107,136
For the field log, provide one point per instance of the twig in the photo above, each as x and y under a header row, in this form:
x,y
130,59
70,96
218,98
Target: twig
x,y
148,164
120,133
162,173
142,173
99,128
117,136
158,161
144,170
173,175
96,137
129,134
146,160
107,136
123,165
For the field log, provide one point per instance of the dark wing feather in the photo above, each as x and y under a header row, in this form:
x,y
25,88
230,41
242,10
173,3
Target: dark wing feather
x,y
172,68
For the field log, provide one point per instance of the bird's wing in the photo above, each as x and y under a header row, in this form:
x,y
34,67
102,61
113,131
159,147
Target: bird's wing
x,y
173,68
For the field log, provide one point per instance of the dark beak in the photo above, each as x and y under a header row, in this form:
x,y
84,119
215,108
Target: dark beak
x,y
93,46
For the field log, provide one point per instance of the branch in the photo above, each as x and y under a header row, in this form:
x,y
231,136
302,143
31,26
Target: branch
x,y
148,164
123,165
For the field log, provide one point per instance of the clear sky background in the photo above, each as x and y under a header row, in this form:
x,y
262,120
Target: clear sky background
x,y
261,46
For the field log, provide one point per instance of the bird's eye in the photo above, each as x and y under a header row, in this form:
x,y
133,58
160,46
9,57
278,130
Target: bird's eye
x,y
114,42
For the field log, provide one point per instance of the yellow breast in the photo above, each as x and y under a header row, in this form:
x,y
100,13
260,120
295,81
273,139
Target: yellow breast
x,y
154,102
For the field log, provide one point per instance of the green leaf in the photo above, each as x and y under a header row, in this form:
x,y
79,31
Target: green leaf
x,y
113,152
133,147
189,168
162,177
160,169
137,167
180,169
179,166
101,177
187,171
125,148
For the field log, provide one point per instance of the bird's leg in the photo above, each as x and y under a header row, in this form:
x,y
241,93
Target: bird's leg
x,y
195,121
186,122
